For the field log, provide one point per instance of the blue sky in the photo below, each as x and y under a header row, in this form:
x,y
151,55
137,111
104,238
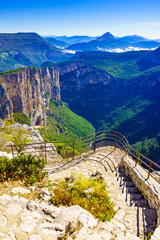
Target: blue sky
x,y
81,17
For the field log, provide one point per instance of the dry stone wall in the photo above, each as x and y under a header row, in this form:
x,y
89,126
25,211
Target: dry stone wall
x,y
149,187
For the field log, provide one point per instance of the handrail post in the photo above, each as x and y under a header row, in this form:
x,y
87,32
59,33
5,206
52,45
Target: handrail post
x,y
73,149
149,169
45,153
115,140
12,151
95,142
137,159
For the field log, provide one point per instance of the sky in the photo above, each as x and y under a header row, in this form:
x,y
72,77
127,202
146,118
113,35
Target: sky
x,y
81,17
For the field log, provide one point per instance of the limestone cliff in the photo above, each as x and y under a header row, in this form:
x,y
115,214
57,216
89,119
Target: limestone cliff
x,y
6,107
30,90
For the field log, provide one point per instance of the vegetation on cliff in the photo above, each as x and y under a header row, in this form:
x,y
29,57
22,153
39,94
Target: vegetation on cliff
x,y
63,124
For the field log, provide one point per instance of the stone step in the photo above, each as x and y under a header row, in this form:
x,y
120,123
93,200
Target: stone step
x,y
143,203
126,179
129,184
136,196
132,190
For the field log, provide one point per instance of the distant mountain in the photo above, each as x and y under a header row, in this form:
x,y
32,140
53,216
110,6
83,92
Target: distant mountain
x,y
150,60
133,39
146,44
56,43
75,39
106,41
26,49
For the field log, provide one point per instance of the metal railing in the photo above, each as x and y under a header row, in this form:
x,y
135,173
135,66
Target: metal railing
x,y
74,147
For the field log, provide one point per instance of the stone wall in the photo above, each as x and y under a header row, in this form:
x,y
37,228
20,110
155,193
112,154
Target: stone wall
x,y
150,188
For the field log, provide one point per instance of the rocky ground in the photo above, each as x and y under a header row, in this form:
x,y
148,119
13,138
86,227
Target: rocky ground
x,y
34,220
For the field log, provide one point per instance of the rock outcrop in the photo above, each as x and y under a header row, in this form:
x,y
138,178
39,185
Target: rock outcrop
x,y
6,107
30,90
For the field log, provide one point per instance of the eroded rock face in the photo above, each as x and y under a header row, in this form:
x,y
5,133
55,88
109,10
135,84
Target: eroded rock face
x,y
30,90
6,107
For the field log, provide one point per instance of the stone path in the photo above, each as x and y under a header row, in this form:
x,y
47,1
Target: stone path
x,y
134,215
21,219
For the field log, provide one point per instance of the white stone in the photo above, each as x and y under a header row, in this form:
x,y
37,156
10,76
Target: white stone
x,y
120,236
14,209
15,198
45,194
35,237
12,227
94,236
108,226
106,235
52,228
20,190
32,206
130,236
119,215
30,220
118,225
156,233
76,213
3,221
12,235
2,235
7,238
6,197
28,227
23,201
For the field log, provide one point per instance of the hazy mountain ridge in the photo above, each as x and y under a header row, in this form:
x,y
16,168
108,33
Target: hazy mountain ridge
x,y
108,42
26,49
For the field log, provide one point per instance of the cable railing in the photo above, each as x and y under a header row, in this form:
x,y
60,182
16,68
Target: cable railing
x,y
71,148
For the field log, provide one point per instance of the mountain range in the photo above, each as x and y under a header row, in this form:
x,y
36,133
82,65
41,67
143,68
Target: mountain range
x,y
115,91
111,90
108,42
27,49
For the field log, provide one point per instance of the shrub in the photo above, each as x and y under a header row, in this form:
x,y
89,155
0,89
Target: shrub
x,y
21,118
91,194
24,167
18,138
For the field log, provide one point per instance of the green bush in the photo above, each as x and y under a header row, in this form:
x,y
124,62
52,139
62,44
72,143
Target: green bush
x,y
27,168
21,118
18,138
90,194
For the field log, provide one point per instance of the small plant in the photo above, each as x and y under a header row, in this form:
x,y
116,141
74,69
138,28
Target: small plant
x,y
19,139
27,168
90,194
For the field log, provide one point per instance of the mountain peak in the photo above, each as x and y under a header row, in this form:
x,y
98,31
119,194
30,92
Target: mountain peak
x,y
106,36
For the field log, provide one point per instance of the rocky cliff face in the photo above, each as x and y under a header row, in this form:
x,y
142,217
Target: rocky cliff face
x,y
84,87
30,90
6,107
77,76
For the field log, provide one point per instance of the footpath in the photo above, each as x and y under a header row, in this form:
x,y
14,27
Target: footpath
x,y
21,219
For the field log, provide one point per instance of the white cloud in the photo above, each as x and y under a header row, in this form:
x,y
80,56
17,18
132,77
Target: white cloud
x,y
119,50
69,51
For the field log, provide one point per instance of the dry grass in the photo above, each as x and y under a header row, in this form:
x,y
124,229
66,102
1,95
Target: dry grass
x,y
6,188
